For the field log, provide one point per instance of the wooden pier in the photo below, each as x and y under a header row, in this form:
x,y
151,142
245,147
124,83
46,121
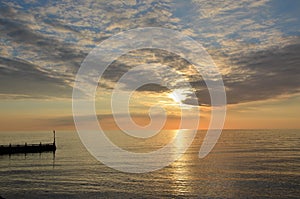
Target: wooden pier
x,y
28,148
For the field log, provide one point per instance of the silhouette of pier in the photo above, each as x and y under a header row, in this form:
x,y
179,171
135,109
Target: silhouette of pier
x,y
28,148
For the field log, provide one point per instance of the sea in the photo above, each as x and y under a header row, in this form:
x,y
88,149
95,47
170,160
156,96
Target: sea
x,y
243,164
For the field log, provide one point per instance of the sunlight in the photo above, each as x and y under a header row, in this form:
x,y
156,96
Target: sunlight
x,y
178,95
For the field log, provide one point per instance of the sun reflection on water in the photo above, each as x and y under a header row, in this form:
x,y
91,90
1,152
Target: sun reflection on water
x,y
181,174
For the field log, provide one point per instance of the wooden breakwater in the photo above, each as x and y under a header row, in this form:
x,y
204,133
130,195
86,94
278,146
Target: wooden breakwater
x,y
28,148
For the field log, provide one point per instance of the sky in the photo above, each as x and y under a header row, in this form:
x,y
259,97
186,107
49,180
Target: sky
x,y
254,43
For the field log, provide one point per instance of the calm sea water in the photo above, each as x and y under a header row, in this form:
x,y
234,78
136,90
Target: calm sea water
x,y
243,164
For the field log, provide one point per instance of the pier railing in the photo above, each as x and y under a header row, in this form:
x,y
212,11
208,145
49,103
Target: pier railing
x,y
28,148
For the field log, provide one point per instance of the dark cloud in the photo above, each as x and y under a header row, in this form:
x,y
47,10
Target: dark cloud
x,y
153,88
268,74
47,47
20,77
144,57
57,24
260,75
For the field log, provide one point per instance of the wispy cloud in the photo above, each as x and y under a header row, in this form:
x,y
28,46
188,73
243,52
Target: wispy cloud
x,y
254,43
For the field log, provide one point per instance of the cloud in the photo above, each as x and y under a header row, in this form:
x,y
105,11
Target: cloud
x,y
20,78
44,47
68,120
260,75
43,44
270,73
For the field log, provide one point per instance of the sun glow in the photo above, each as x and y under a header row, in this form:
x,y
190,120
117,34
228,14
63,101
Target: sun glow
x,y
178,95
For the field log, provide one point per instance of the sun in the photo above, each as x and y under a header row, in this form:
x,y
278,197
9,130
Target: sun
x,y
178,95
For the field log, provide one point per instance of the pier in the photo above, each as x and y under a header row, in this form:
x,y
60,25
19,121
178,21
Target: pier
x,y
28,148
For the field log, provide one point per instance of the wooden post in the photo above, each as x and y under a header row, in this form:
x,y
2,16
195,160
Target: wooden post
x,y
25,149
54,137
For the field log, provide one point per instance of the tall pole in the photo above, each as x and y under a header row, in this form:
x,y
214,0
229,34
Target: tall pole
x,y
54,137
